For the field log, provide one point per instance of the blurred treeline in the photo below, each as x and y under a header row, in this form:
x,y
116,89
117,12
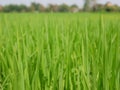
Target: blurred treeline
x,y
37,7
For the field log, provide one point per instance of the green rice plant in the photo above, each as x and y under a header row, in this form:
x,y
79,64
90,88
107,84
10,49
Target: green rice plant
x,y
59,51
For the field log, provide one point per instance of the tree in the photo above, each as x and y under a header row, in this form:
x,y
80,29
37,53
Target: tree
x,y
52,8
99,7
112,8
74,8
88,4
23,8
34,7
11,8
63,8
41,8
115,8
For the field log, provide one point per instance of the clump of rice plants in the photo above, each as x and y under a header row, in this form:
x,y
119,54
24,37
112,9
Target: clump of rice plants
x,y
59,51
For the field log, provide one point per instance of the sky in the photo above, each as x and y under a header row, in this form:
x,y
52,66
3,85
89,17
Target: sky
x,y
46,2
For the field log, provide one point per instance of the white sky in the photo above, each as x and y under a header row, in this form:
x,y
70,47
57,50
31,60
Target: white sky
x,y
46,2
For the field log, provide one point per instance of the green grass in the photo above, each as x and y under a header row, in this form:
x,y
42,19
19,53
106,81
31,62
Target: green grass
x,y
60,51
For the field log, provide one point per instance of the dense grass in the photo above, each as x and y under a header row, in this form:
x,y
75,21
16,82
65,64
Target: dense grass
x,y
60,51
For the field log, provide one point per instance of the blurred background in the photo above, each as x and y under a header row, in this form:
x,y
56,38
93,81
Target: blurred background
x,y
72,6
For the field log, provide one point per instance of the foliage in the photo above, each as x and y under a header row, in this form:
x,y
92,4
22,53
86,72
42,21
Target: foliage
x,y
89,5
52,8
64,8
